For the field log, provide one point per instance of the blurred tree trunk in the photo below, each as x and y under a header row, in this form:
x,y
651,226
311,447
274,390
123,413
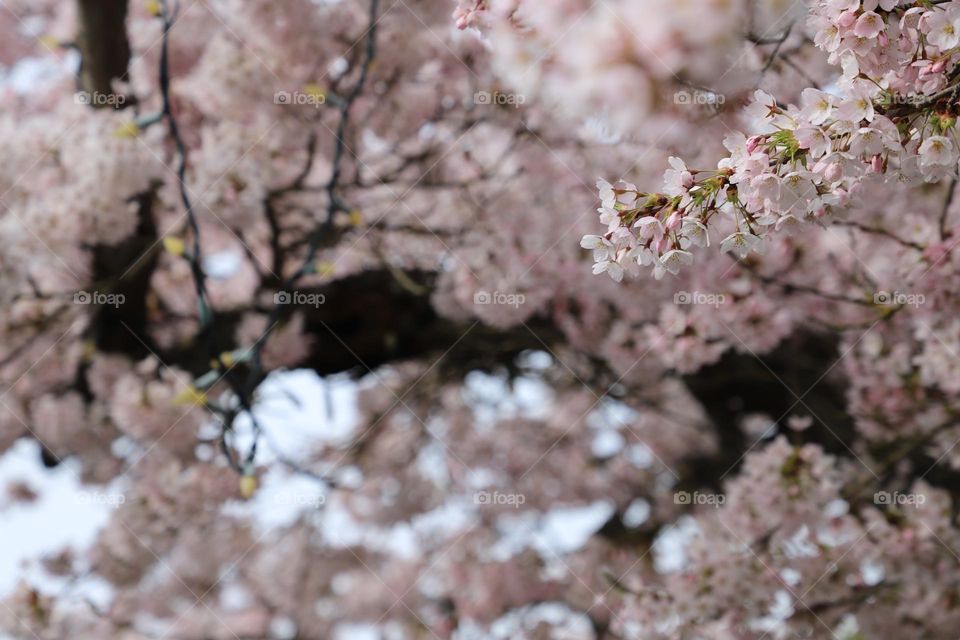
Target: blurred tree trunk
x,y
104,49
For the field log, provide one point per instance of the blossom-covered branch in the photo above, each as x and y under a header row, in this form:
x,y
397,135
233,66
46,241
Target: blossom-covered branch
x,y
891,118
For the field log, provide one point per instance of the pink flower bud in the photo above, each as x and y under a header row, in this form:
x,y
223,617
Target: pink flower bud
x,y
819,213
846,19
937,66
883,39
833,172
662,244
876,164
674,220
753,142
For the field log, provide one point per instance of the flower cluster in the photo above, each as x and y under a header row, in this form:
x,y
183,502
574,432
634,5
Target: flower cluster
x,y
468,13
802,164
905,45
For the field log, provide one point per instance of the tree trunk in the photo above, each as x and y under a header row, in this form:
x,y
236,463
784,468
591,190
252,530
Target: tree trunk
x,y
104,49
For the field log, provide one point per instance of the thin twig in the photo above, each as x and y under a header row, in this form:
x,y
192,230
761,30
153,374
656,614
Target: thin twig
x,y
952,190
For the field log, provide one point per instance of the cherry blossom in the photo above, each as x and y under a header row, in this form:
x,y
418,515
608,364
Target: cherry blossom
x,y
294,304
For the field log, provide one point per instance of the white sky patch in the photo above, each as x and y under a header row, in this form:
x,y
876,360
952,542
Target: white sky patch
x,y
492,398
570,624
611,414
565,530
356,631
669,549
554,533
774,622
34,72
637,513
872,572
66,514
640,455
223,264
298,411
432,463
607,443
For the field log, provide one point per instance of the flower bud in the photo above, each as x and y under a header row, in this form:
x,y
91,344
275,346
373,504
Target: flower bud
x,y
832,172
248,486
662,244
674,220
